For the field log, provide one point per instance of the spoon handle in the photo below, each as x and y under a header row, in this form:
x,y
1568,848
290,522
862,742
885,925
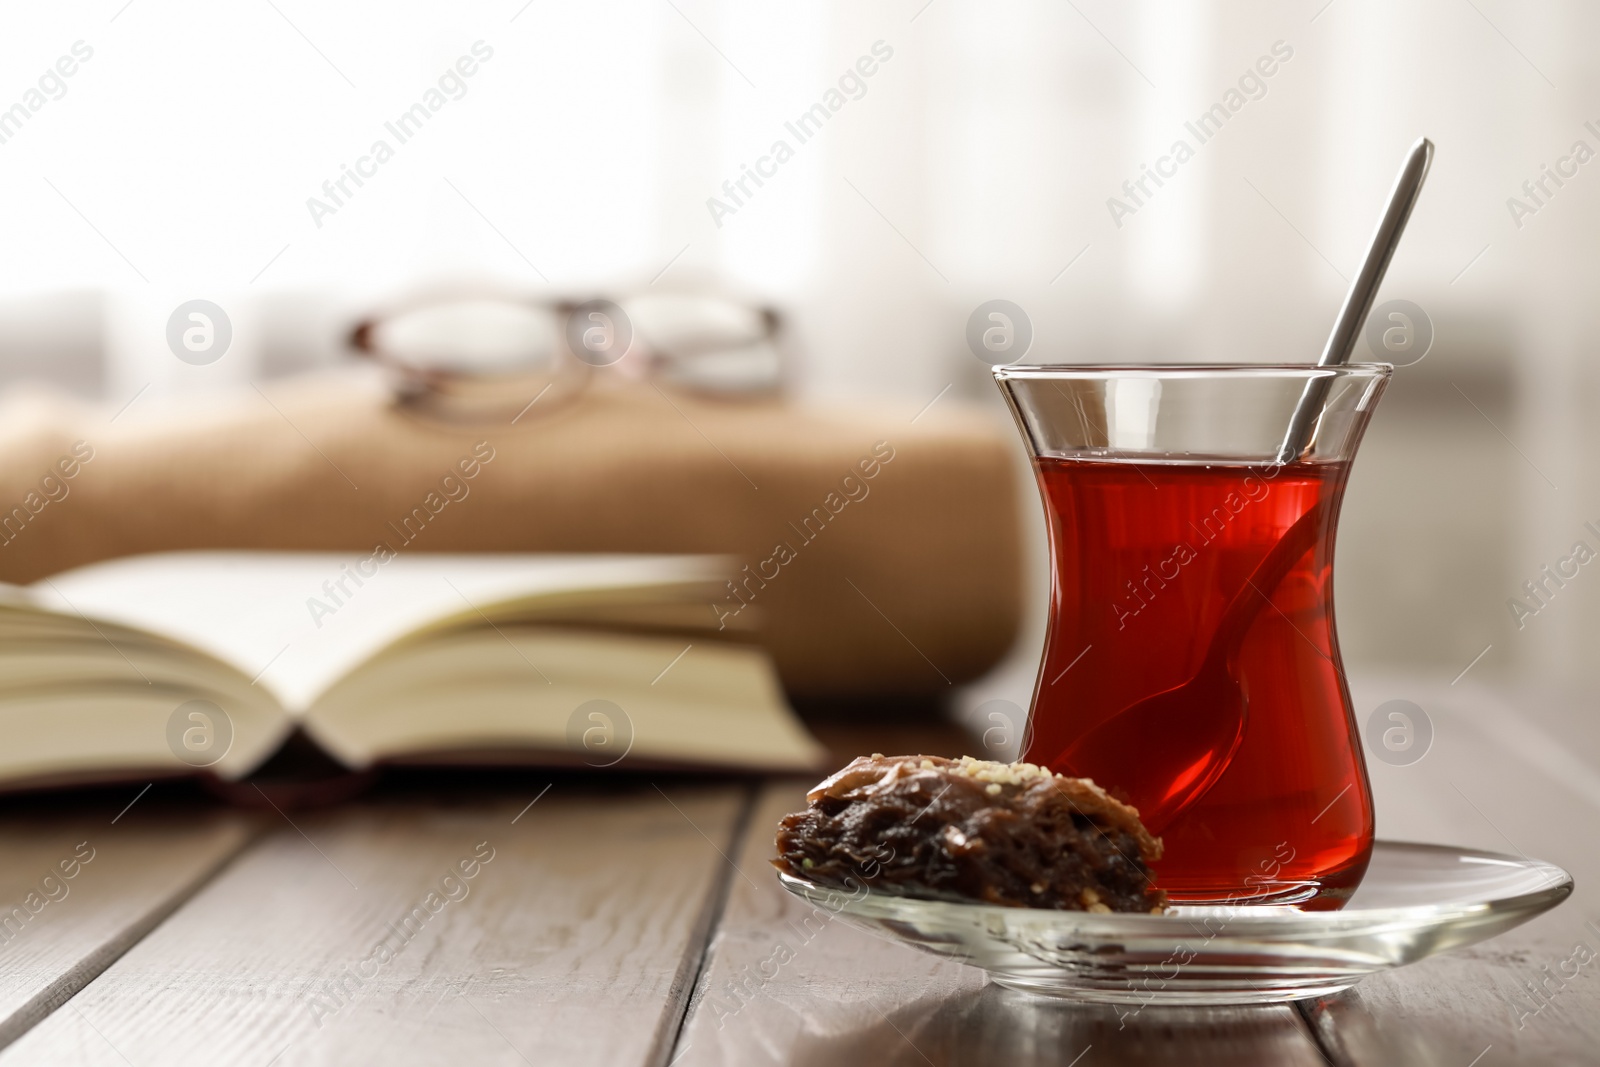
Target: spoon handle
x,y
1358,301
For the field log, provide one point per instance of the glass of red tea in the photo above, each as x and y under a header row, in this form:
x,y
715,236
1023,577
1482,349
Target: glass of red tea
x,y
1192,667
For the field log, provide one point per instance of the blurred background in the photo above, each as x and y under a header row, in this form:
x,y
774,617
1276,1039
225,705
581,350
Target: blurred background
x,y
592,152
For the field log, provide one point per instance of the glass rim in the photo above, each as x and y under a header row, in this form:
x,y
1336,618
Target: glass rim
x,y
1003,371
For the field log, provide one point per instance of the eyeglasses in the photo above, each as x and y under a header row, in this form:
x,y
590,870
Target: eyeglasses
x,y
477,356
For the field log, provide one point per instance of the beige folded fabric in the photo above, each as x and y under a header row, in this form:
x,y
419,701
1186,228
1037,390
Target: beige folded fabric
x,y
882,555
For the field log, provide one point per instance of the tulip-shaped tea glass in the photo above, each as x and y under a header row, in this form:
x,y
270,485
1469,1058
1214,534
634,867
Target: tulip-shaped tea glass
x,y
1191,666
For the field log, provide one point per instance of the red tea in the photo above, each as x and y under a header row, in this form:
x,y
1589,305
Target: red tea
x,y
1148,560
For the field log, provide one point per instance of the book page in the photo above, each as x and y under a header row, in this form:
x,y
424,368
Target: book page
x,y
297,622
515,694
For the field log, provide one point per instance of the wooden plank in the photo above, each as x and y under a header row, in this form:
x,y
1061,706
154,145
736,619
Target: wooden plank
x,y
567,933
80,883
846,997
1495,778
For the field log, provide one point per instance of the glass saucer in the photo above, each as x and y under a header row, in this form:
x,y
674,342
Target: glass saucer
x,y
1415,901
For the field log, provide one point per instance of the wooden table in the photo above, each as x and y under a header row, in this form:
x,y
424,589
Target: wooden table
x,y
639,923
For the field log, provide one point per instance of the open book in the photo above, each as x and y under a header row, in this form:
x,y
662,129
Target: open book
x,y
210,660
